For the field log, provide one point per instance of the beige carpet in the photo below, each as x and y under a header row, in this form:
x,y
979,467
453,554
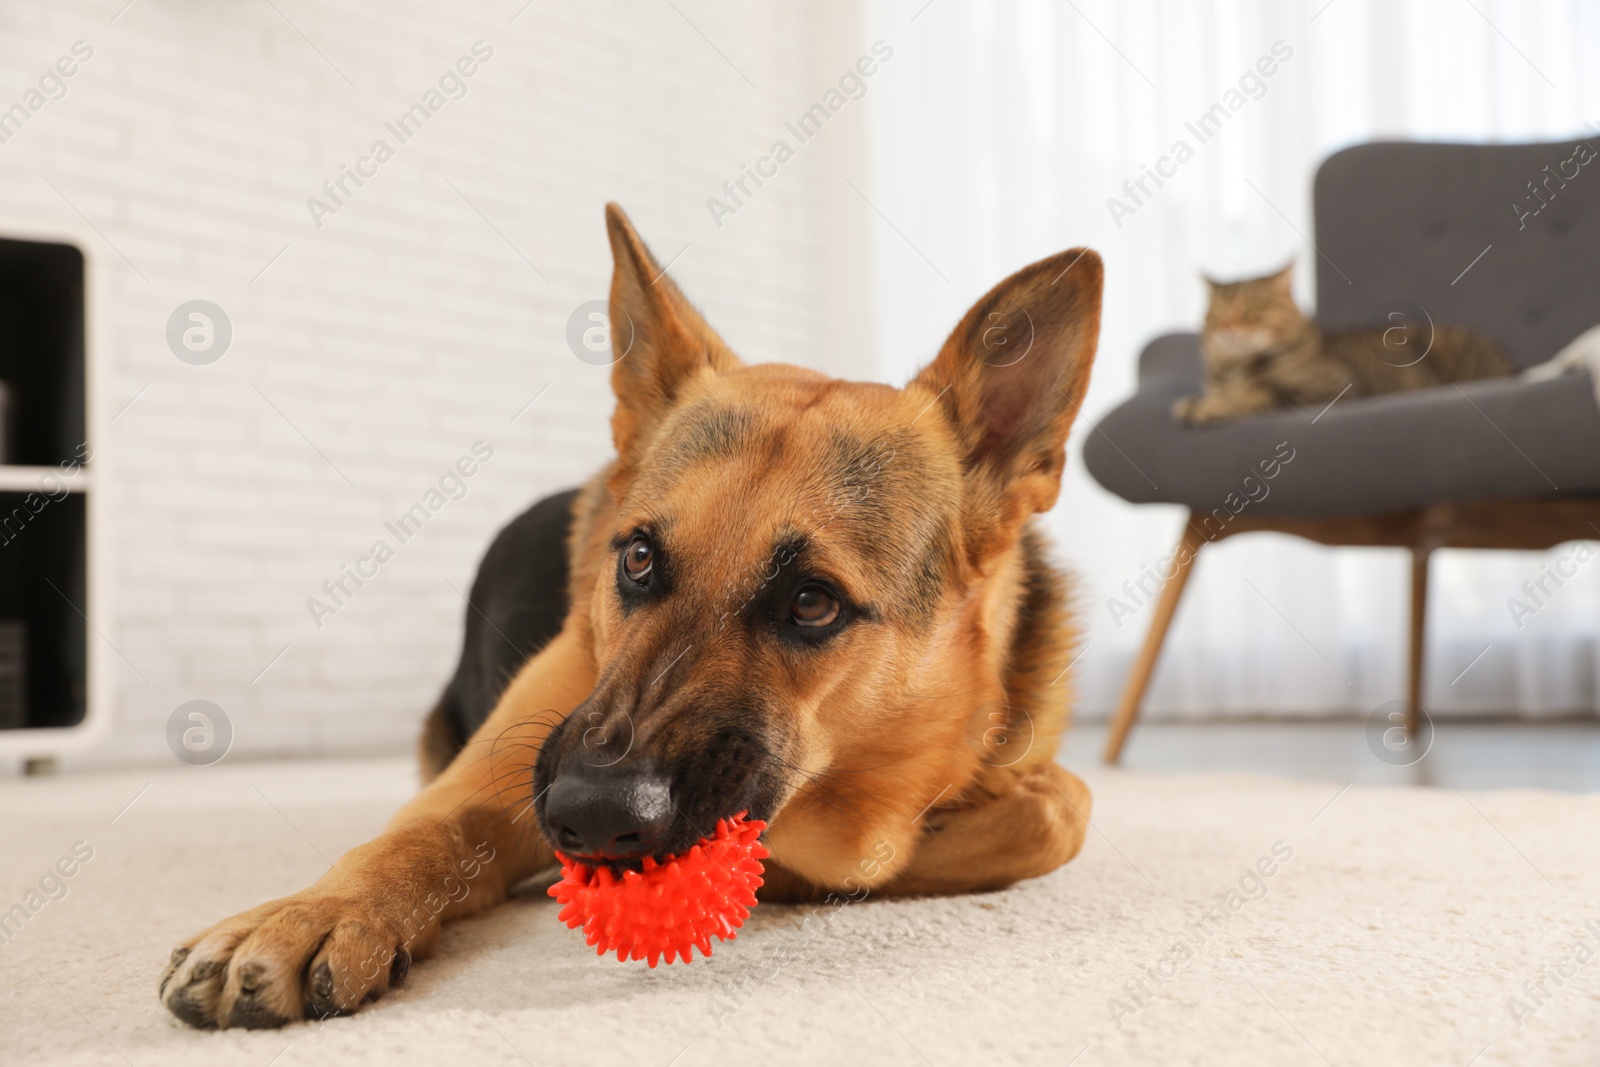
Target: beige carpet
x,y
1406,927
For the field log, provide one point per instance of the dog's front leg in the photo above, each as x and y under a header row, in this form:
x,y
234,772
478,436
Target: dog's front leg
x,y
1033,823
452,851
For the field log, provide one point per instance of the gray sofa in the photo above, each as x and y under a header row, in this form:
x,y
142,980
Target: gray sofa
x,y
1501,238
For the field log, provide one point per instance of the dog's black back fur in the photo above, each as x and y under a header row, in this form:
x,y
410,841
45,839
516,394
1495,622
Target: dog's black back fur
x,y
519,601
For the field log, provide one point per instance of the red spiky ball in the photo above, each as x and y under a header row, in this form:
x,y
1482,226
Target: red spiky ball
x,y
672,905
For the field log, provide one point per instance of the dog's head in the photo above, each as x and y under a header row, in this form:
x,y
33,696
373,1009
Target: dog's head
x,y
801,596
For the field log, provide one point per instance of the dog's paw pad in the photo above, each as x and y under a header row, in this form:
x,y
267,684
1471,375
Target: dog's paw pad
x,y
400,967
251,1014
191,990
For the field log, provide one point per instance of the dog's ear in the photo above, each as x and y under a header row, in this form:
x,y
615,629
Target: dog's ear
x,y
1010,380
660,340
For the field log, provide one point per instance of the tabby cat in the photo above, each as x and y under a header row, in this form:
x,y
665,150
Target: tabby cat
x,y
1262,353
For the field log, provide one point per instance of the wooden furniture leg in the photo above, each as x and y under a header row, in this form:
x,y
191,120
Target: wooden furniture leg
x,y
1523,524
1419,616
1145,665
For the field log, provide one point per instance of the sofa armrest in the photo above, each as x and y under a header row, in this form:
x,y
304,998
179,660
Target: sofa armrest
x,y
1172,357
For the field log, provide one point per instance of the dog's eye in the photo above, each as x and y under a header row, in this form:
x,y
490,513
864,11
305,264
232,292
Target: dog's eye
x,y
813,606
638,558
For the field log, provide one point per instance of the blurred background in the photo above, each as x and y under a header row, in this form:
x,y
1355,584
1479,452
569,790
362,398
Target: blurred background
x,y
371,316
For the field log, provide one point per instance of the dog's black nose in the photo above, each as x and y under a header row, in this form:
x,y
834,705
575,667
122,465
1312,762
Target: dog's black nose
x,y
606,812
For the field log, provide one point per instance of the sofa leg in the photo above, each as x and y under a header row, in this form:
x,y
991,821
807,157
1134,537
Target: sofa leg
x,y
1145,665
1419,616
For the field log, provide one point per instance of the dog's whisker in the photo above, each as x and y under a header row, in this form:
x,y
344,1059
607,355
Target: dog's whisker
x,y
492,783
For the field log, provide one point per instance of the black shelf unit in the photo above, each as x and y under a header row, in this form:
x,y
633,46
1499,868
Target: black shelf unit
x,y
44,487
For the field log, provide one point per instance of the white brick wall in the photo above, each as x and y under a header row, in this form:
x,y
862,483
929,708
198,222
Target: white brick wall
x,y
406,327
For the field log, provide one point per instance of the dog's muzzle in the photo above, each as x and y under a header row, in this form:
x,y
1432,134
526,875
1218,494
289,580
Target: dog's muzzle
x,y
606,794
608,812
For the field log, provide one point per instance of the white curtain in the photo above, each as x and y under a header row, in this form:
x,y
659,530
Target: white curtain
x,y
997,136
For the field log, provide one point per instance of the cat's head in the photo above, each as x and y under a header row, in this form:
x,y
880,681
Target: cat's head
x,y
1249,317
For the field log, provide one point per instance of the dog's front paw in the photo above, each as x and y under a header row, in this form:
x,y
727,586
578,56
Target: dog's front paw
x,y
311,955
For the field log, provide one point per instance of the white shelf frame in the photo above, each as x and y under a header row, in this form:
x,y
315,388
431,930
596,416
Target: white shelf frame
x,y
17,478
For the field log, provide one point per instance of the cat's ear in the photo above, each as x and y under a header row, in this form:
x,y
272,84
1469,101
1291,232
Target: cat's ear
x,y
1283,281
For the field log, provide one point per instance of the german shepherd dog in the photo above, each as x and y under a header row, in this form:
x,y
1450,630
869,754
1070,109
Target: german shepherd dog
x,y
821,602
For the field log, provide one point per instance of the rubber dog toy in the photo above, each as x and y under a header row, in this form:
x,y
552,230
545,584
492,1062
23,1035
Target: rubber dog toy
x,y
671,906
